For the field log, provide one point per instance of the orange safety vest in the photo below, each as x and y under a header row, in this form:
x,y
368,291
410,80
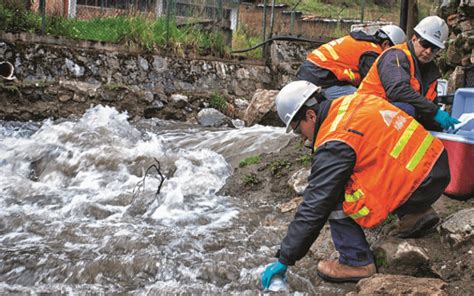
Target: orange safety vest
x,y
394,154
341,57
372,84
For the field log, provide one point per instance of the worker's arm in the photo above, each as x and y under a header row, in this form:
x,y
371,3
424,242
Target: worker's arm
x,y
331,169
365,62
394,73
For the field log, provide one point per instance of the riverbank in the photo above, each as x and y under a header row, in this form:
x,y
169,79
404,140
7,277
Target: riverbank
x,y
431,265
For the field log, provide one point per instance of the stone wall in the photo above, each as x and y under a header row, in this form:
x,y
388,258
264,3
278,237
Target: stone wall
x,y
459,58
56,79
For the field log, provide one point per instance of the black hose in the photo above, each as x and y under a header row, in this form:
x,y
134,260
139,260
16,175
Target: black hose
x,y
284,38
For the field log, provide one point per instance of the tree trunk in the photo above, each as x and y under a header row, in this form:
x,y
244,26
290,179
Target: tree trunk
x,y
412,17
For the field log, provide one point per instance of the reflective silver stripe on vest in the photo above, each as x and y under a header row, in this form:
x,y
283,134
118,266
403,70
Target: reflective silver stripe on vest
x,y
337,215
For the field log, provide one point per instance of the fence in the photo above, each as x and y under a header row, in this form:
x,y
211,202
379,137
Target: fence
x,y
225,16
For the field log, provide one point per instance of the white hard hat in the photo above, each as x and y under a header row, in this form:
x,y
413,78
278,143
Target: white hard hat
x,y
394,33
292,97
433,29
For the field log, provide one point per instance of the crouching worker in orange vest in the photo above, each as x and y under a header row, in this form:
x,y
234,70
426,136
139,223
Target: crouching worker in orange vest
x,y
370,159
339,66
407,76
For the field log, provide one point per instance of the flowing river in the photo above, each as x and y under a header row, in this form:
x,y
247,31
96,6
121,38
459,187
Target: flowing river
x,y
80,213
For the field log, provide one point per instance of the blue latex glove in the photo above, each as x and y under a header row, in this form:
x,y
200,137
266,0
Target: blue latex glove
x,y
276,268
446,121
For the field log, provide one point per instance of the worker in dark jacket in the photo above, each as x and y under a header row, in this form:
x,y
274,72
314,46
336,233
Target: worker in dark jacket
x,y
339,66
370,159
407,76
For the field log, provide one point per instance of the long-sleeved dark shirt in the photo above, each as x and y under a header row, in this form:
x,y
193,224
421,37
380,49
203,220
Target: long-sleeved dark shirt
x,y
325,78
331,169
332,166
394,72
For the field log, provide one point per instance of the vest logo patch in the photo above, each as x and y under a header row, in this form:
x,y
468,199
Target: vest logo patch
x,y
388,116
400,122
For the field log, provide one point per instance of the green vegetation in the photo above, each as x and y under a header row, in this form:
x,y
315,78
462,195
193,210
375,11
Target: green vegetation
x,y
241,39
380,260
14,17
249,161
218,102
250,180
390,218
140,31
277,167
454,207
305,159
10,88
149,33
352,9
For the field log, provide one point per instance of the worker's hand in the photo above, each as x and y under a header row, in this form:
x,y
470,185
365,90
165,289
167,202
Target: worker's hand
x,y
276,268
446,121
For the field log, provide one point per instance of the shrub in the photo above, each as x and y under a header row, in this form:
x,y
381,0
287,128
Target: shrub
x,y
250,179
277,167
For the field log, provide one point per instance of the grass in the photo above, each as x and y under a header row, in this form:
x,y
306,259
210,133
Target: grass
x,y
140,31
352,9
249,161
150,33
241,39
218,102
390,218
305,159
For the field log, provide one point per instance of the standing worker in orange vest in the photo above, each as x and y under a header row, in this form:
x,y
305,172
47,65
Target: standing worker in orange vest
x,y
370,159
407,76
339,66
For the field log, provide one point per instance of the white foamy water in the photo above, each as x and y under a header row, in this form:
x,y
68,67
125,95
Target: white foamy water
x,y
74,221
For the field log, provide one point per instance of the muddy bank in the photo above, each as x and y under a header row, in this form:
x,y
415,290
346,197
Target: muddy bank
x,y
431,261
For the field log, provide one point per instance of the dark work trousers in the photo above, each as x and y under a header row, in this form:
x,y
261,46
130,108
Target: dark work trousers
x,y
349,238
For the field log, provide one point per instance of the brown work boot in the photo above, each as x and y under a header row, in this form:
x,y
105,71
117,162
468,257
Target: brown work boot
x,y
333,271
414,225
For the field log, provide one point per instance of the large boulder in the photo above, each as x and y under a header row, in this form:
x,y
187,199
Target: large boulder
x,y
385,284
262,109
299,180
212,118
458,229
402,257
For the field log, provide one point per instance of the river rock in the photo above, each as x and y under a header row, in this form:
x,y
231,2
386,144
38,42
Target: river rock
x,y
401,256
385,284
213,118
457,230
179,101
263,102
90,89
291,205
299,180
